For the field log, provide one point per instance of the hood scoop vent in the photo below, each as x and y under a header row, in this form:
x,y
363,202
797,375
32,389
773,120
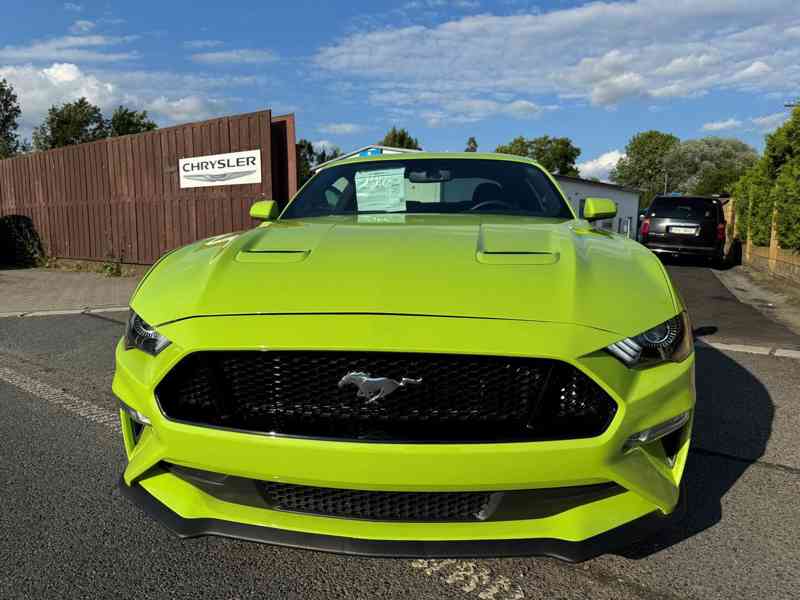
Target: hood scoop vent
x,y
512,245
287,242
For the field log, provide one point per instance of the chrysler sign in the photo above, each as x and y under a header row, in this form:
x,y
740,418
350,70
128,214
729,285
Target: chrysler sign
x,y
235,168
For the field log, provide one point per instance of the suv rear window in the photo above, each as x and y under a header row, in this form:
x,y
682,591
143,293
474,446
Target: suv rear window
x,y
684,208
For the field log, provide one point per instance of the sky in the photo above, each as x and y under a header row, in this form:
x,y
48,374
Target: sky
x,y
597,72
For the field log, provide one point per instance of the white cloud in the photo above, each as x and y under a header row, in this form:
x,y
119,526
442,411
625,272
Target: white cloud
x,y
170,97
71,6
84,48
243,56
770,122
611,90
648,48
39,89
755,70
601,166
341,128
200,44
321,145
188,108
722,125
82,26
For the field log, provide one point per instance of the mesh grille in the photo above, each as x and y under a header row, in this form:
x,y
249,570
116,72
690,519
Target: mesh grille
x,y
378,506
459,398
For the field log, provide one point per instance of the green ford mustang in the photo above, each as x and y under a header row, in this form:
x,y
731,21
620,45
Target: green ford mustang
x,y
424,355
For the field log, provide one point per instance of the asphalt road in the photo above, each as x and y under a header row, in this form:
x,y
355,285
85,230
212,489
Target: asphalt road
x,y
65,532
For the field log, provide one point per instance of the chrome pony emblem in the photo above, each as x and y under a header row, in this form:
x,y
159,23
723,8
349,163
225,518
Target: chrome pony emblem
x,y
375,388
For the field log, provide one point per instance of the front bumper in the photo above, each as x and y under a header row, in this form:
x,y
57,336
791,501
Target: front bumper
x,y
569,551
645,398
684,250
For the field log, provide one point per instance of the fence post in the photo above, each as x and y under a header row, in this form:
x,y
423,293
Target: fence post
x,y
773,241
748,247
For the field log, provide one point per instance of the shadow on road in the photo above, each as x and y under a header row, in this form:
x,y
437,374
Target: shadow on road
x,y
733,423
698,261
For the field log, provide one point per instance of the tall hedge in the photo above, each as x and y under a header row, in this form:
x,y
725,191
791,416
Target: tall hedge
x,y
754,204
786,194
773,182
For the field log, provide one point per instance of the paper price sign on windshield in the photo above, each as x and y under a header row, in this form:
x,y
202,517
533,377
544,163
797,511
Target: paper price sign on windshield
x,y
382,190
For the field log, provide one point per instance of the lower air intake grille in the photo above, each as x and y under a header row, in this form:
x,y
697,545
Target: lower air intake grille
x,y
452,398
378,506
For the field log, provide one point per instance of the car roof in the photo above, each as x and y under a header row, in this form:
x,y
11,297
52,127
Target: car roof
x,y
709,198
423,155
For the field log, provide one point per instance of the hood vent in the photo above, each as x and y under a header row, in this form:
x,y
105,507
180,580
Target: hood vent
x,y
513,245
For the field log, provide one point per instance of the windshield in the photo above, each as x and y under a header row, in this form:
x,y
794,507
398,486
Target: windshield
x,y
413,186
684,208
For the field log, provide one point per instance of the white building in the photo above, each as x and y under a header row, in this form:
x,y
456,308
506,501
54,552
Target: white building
x,y
574,188
626,199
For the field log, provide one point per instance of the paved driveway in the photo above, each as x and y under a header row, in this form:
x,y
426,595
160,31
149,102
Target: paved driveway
x,y
66,532
34,290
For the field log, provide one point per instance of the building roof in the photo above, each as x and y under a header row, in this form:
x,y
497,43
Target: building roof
x,y
600,183
365,149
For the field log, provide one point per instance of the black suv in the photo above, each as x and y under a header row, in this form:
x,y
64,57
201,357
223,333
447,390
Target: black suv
x,y
690,225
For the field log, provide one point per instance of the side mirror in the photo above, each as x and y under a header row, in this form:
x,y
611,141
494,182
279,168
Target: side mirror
x,y
595,209
265,210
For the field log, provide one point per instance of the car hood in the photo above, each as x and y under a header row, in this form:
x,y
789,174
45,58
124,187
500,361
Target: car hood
x,y
473,266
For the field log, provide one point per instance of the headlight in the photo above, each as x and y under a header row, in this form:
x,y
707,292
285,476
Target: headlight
x,y
139,334
669,341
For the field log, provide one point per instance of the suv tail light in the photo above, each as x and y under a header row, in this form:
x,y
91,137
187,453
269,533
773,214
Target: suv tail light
x,y
645,227
721,232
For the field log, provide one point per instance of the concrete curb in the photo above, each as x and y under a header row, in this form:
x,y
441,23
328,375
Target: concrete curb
x,y
62,312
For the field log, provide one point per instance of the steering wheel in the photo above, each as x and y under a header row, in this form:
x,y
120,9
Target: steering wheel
x,y
490,202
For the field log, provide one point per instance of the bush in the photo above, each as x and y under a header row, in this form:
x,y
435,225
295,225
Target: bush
x,y
787,198
754,202
774,182
20,245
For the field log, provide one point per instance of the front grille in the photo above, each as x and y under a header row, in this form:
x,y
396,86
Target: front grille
x,y
459,398
377,506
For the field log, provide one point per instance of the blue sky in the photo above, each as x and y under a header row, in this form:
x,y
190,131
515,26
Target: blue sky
x,y
597,72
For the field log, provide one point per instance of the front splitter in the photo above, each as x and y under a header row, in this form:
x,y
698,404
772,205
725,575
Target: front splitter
x,y
604,543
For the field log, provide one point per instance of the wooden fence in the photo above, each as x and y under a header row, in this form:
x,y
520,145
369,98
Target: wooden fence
x,y
772,259
119,199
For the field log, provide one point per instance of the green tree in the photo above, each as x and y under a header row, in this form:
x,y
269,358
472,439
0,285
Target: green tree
x,y
710,165
324,154
557,155
754,203
305,160
786,195
644,165
783,144
472,145
125,121
773,183
9,115
399,138
69,124
519,146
